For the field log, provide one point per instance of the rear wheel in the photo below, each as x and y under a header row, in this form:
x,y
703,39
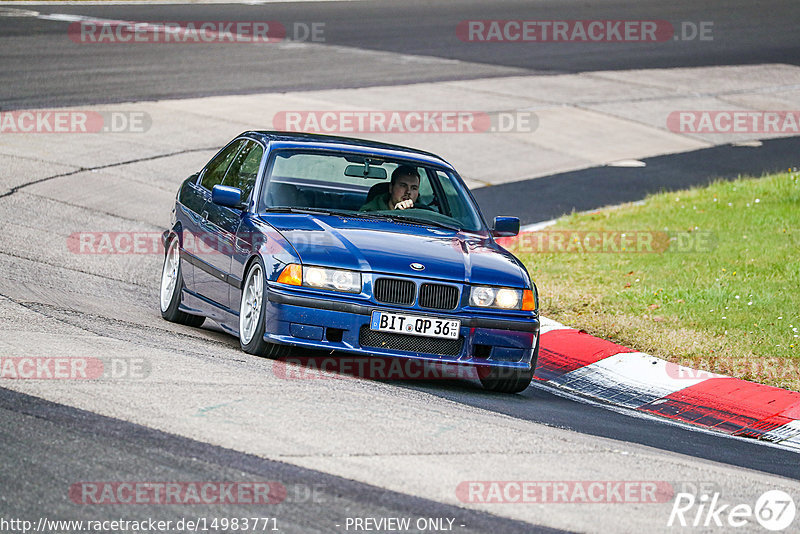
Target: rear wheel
x,y
171,286
509,379
252,318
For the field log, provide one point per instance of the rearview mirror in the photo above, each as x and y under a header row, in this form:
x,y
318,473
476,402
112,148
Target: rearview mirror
x,y
365,171
505,226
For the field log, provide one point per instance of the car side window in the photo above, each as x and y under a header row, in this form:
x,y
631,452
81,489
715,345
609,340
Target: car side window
x,y
425,189
215,170
452,196
244,169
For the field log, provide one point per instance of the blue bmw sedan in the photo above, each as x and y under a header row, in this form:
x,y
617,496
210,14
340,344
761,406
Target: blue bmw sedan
x,y
291,240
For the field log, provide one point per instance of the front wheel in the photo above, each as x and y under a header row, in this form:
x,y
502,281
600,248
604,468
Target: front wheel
x,y
252,318
508,379
171,286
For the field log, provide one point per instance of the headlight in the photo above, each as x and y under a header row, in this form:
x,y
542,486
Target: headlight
x,y
507,298
482,296
500,297
332,279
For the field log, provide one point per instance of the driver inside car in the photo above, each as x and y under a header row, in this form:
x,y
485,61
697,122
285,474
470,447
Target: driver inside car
x,y
403,192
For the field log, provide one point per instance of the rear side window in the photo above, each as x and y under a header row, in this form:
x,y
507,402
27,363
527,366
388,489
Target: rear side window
x,y
216,168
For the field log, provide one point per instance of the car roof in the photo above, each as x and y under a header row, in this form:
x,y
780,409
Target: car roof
x,y
350,144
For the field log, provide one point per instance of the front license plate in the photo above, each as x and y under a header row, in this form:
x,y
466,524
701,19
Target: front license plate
x,y
414,325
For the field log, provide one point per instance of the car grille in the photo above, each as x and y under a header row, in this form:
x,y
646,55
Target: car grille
x,y
426,345
394,291
403,292
438,296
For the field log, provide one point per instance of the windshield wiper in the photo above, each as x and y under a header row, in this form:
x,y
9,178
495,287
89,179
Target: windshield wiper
x,y
361,214
288,209
423,222
322,211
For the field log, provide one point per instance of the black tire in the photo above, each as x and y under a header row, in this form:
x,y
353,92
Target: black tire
x,y
171,313
508,379
256,343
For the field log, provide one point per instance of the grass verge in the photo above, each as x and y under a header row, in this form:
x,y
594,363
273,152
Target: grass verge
x,y
708,277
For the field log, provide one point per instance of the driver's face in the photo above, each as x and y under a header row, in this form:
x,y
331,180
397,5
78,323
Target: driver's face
x,y
406,187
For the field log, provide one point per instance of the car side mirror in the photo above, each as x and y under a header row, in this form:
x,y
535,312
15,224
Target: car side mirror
x,y
505,226
227,196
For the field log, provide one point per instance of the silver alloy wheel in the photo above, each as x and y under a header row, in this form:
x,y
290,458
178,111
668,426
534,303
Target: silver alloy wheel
x,y
250,309
169,274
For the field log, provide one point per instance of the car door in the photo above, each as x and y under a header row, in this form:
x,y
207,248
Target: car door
x,y
187,213
224,222
207,242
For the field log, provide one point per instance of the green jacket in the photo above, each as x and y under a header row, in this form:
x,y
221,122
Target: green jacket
x,y
380,202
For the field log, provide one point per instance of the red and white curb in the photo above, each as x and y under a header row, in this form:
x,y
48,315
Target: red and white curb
x,y
578,362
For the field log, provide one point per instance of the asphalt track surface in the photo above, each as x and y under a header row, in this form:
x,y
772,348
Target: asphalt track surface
x,y
543,199
38,436
68,73
47,446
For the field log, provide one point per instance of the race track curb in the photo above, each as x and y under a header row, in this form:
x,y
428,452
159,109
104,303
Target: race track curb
x,y
573,360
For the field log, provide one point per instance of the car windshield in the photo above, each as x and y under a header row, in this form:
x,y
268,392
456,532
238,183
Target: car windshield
x,y
361,185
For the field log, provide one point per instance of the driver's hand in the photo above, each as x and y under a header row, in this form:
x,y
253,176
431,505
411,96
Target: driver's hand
x,y
404,204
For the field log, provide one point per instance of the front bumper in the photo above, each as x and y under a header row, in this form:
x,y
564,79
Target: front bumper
x,y
307,321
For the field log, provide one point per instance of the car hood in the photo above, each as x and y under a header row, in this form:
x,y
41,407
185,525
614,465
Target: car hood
x,y
384,246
